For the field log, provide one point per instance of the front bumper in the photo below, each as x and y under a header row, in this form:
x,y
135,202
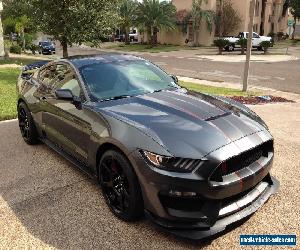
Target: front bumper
x,y
48,50
218,202
196,231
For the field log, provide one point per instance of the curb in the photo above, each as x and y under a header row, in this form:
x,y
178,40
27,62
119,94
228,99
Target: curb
x,y
288,95
8,121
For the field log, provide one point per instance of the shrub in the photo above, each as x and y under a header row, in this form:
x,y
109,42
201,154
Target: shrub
x,y
243,43
221,44
34,48
265,45
16,49
272,34
30,37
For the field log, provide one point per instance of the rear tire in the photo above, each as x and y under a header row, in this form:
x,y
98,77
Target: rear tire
x,y
120,186
26,124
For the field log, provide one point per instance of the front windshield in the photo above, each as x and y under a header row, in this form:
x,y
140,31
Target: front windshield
x,y
46,43
124,78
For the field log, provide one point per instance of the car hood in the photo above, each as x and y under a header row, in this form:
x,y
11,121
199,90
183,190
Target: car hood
x,y
266,38
187,124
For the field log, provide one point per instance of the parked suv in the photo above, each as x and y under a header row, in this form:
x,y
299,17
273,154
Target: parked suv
x,y
46,47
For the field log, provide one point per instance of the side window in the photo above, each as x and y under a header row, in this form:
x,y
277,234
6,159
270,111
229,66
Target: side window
x,y
255,35
66,79
59,76
45,78
35,75
47,74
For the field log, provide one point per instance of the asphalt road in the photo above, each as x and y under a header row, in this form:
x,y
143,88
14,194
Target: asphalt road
x,y
45,202
284,76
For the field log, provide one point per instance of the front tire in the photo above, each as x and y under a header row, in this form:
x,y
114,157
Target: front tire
x,y
230,47
26,125
120,186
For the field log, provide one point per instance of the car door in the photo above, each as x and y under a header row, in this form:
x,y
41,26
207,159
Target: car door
x,y
255,40
63,122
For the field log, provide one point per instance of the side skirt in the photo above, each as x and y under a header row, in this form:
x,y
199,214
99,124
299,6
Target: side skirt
x,y
84,168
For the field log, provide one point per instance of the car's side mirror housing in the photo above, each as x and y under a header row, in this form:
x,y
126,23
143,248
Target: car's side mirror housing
x,y
26,76
174,78
67,95
64,94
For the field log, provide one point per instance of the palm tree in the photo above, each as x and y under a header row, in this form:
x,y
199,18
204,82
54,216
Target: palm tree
x,y
21,24
197,14
127,13
154,15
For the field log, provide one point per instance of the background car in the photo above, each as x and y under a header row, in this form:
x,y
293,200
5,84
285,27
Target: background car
x,y
256,40
46,47
193,163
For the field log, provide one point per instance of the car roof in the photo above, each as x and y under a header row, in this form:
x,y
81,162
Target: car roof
x,y
82,60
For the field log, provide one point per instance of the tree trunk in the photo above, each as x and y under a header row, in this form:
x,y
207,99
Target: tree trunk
x,y
221,19
23,40
64,45
149,35
127,41
196,41
220,50
154,37
243,50
294,28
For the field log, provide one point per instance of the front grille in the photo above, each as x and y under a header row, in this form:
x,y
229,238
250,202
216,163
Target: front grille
x,y
242,160
182,203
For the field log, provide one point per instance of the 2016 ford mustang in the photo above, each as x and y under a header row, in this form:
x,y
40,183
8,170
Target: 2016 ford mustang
x,y
193,163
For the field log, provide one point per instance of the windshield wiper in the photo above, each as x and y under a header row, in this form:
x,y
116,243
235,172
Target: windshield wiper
x,y
115,98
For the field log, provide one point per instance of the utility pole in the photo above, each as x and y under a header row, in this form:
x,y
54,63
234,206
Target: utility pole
x,y
249,46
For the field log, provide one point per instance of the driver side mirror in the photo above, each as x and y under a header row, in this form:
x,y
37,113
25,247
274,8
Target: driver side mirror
x,y
67,95
174,78
64,94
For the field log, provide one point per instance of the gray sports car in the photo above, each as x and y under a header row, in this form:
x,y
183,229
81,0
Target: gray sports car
x,y
193,163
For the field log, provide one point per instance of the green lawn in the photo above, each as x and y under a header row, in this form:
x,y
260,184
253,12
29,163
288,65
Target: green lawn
x,y
147,48
286,43
216,90
8,78
17,60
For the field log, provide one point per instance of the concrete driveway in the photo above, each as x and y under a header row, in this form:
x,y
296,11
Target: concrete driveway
x,y
45,202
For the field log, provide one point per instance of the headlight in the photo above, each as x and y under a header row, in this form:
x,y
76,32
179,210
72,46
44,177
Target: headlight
x,y
171,163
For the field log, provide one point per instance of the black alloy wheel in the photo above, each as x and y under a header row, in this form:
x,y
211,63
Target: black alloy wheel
x,y
120,187
26,125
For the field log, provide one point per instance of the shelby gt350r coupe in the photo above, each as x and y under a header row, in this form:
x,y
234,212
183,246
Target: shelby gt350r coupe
x,y
193,163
